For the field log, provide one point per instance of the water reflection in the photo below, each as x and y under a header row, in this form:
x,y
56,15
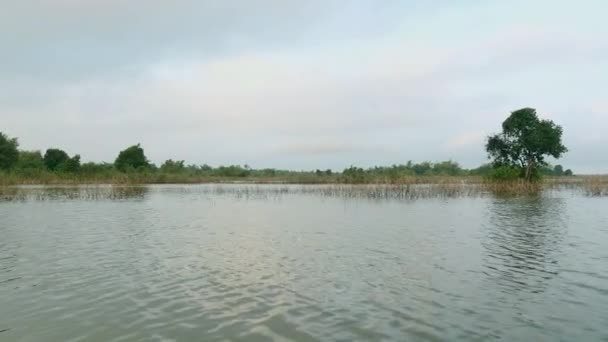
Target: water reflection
x,y
523,239
93,193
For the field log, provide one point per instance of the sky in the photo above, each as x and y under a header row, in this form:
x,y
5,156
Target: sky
x,y
301,84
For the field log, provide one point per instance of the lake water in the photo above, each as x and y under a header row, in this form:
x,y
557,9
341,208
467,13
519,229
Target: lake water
x,y
219,263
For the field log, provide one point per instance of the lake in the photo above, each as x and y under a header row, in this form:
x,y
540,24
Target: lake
x,y
300,263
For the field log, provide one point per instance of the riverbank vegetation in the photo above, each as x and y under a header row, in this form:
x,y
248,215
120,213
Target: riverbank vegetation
x,y
517,164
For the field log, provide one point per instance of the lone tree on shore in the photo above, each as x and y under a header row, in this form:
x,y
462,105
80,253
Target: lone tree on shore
x,y
9,154
131,158
525,141
54,158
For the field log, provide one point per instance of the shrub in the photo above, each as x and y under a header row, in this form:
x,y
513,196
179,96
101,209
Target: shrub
x,y
504,173
54,158
9,155
132,158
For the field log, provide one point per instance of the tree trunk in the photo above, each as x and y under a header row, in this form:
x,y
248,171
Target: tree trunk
x,y
529,169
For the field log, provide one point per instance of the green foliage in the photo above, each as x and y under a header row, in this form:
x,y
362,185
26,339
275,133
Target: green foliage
x,y
554,171
30,160
96,168
170,166
354,175
395,172
132,158
232,171
504,174
72,165
57,167
483,170
9,155
447,168
54,158
525,141
268,172
422,169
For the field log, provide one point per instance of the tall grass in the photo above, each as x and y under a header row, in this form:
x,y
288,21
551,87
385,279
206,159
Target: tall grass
x,y
595,185
398,187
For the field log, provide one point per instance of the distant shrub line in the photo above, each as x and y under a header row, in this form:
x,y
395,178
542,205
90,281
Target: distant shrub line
x,y
132,166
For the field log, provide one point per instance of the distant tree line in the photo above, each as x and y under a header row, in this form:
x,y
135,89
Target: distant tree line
x,y
133,160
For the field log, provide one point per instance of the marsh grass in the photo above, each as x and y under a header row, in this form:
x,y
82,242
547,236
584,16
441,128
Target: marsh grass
x,y
595,186
128,186
140,178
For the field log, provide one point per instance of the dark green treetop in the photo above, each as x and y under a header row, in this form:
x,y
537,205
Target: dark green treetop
x,y
54,158
8,151
131,158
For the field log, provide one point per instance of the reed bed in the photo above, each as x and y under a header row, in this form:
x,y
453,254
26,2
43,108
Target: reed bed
x,y
595,186
407,189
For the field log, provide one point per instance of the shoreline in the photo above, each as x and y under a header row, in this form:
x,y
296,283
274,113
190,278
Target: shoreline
x,y
429,180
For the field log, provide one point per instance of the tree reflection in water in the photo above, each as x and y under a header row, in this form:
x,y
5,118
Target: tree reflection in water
x,y
523,239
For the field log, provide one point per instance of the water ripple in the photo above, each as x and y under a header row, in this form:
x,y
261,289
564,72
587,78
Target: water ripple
x,y
179,264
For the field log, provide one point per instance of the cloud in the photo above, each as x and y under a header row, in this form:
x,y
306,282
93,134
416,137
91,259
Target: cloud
x,y
311,84
326,148
466,140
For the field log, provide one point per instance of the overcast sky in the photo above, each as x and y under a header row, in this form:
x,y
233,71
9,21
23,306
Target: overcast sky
x,y
301,84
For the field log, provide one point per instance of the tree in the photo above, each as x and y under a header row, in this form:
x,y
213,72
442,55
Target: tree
x,y
447,168
232,171
170,166
354,175
423,168
558,170
9,155
54,158
30,160
131,158
525,141
71,165
568,173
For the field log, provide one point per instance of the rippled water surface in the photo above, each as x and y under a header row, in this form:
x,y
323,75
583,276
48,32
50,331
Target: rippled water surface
x,y
206,263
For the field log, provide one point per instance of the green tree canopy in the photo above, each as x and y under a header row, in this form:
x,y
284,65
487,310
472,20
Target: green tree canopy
x,y
525,141
131,158
54,158
9,155
171,166
30,160
71,165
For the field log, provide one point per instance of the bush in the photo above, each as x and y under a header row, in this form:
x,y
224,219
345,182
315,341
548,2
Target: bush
x,y
170,166
9,155
54,158
30,160
354,175
96,169
132,158
72,165
232,171
504,174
